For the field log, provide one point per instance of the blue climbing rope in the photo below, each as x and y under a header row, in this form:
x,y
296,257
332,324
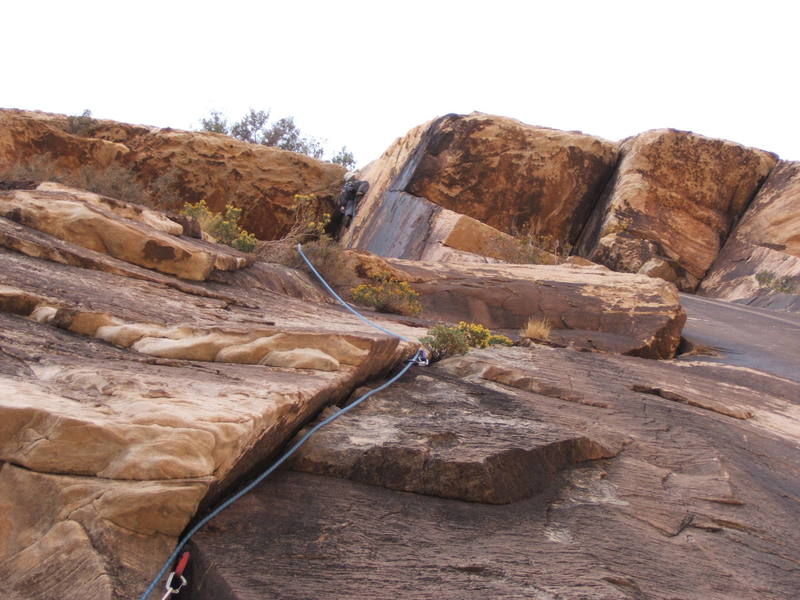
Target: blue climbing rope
x,y
419,358
342,302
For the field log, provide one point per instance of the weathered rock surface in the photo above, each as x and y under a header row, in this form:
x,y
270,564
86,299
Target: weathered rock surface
x,y
129,397
766,242
125,231
511,176
699,501
174,166
674,197
132,399
413,228
441,437
590,307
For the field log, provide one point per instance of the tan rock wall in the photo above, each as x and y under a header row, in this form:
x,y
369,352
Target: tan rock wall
x,y
128,397
174,167
767,241
588,307
675,196
509,176
512,176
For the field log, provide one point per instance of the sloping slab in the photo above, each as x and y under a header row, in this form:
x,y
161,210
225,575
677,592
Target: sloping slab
x,y
128,402
124,231
699,504
435,435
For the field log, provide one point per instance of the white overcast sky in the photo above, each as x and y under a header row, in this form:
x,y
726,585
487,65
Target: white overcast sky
x,y
362,73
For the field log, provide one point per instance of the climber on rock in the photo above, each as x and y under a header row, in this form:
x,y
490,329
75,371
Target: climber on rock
x,y
352,193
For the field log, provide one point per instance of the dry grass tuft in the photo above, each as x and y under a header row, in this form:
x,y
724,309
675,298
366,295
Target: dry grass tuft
x,y
537,329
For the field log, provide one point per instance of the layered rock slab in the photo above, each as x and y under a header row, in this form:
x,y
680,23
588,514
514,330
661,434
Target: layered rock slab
x,y
130,398
588,306
172,166
673,200
508,175
434,435
125,231
689,508
760,262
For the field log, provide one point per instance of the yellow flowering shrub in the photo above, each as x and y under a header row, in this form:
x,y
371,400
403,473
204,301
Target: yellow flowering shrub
x,y
478,336
388,294
444,340
224,227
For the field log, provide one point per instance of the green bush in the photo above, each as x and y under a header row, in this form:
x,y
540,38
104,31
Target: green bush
x,y
768,279
446,340
224,227
479,336
443,341
81,125
388,294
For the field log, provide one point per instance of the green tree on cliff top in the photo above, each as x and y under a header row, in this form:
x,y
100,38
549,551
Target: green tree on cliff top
x,y
256,128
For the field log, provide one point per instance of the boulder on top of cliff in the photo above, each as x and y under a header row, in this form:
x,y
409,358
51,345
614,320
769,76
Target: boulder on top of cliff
x,y
674,197
167,167
514,177
760,262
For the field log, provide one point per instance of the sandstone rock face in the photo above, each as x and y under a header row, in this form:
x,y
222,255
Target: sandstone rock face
x,y
684,503
125,231
409,227
511,176
589,307
760,263
173,166
674,196
130,397
448,440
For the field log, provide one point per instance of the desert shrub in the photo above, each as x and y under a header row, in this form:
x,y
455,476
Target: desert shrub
x,y
443,340
311,220
388,294
768,279
224,227
447,340
479,336
38,168
166,189
82,124
328,259
536,329
500,340
532,246
115,180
